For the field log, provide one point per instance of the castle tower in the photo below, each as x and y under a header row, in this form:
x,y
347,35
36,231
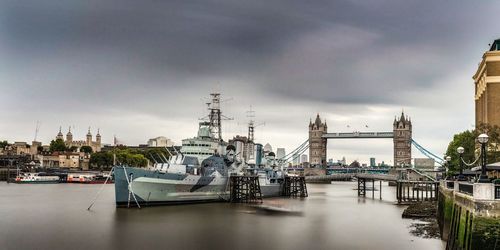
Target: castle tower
x,y
69,137
60,135
402,141
317,144
98,140
89,138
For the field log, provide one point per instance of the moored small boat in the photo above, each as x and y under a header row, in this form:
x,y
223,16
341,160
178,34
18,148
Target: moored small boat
x,y
86,178
36,178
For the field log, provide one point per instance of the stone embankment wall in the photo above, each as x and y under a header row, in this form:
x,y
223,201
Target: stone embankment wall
x,y
469,215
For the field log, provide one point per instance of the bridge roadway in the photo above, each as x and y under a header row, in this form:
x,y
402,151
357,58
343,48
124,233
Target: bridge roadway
x,y
358,135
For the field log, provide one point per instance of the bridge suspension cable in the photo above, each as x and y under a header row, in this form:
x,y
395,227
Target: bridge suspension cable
x,y
427,153
298,154
295,153
299,148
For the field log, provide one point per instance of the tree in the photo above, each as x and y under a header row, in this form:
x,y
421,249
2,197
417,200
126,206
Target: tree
x,y
468,140
155,154
493,133
102,160
123,157
86,149
3,144
57,145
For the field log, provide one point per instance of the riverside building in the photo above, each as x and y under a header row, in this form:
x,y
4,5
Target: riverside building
x,y
487,87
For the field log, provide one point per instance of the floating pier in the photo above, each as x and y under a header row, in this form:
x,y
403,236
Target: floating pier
x,y
245,189
295,186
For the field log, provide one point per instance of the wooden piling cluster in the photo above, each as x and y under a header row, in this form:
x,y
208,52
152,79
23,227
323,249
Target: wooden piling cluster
x,y
245,189
416,191
294,186
362,187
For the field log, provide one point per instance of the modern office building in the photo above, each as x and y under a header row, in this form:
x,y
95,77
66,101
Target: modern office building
x,y
280,153
372,162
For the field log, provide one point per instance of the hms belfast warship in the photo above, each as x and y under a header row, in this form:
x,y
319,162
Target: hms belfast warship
x,y
181,179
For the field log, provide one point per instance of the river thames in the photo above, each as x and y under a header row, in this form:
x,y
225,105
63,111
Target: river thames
x,y
55,216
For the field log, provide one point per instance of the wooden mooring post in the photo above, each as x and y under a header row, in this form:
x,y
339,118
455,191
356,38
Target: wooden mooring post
x,y
362,187
245,189
295,186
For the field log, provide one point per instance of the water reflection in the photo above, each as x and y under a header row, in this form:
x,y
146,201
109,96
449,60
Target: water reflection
x,y
333,217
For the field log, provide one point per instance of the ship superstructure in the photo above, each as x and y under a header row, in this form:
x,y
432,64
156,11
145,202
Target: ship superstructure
x,y
209,138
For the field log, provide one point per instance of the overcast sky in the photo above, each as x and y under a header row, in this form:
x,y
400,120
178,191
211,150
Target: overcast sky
x,y
140,69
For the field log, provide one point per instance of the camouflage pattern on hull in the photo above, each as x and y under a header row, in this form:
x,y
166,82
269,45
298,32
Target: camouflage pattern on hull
x,y
157,188
153,187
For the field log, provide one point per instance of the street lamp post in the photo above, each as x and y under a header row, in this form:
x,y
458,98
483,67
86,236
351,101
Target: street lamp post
x,y
460,151
483,139
448,161
445,165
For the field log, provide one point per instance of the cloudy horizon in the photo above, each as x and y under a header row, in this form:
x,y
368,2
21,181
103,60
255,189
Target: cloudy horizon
x,y
139,70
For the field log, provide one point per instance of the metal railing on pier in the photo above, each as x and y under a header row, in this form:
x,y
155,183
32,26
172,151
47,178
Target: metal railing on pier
x,y
416,191
466,188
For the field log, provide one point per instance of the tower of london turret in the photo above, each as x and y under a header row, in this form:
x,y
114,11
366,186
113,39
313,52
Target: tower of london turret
x,y
95,145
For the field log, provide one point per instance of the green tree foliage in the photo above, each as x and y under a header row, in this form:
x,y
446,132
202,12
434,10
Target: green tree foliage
x,y
3,144
493,133
131,158
155,154
101,160
86,149
468,140
104,160
57,145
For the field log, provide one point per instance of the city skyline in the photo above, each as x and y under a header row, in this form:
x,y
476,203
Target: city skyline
x,y
139,78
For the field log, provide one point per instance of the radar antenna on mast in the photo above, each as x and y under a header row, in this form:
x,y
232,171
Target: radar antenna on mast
x,y
251,124
215,115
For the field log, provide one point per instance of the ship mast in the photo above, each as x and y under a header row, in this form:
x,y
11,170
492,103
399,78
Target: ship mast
x,y
251,124
215,116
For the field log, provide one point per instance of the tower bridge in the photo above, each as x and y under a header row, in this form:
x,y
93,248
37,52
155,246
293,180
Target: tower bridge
x,y
401,135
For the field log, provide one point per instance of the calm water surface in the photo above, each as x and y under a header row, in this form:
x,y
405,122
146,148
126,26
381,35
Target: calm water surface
x,y
333,217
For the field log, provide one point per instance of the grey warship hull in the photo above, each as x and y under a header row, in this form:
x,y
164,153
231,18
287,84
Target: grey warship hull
x,y
156,188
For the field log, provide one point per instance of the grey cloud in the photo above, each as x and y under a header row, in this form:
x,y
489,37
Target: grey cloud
x,y
141,61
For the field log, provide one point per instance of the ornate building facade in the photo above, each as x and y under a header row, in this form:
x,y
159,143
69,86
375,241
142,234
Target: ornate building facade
x,y
95,145
487,87
402,141
317,144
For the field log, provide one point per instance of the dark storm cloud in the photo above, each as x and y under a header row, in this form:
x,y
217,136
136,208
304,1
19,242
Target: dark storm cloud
x,y
129,61
331,51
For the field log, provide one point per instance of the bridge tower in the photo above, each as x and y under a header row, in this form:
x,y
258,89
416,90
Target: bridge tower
x,y
317,144
402,140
